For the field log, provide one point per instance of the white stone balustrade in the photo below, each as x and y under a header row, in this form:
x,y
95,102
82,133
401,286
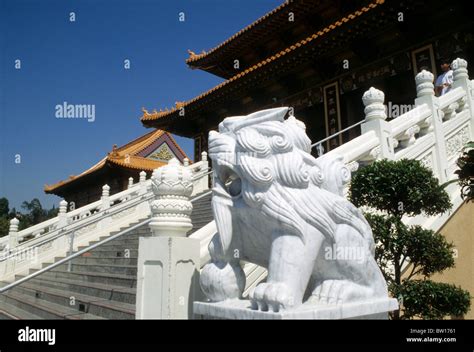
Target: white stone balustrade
x,y
13,233
105,197
201,175
375,115
89,222
433,132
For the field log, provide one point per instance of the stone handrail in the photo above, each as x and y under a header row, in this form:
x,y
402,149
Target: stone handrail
x,y
64,218
433,132
52,238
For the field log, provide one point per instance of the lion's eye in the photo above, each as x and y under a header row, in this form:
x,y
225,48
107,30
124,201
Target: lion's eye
x,y
234,187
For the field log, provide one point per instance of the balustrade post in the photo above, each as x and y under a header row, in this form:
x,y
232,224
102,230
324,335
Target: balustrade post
x,y
425,95
13,233
205,182
62,215
130,182
461,79
105,197
142,182
375,116
168,261
185,162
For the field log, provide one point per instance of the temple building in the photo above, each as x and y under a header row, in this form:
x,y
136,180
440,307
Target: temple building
x,y
318,57
145,153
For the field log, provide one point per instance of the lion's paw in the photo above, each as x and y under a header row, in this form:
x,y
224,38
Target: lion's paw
x,y
220,281
272,297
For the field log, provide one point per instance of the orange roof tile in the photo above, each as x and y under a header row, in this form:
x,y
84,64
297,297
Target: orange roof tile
x,y
157,115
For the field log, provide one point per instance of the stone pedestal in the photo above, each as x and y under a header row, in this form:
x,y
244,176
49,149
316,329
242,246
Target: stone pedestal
x,y
168,262
168,269
240,309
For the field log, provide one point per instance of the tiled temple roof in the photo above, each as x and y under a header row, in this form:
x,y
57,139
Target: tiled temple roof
x,y
126,156
149,117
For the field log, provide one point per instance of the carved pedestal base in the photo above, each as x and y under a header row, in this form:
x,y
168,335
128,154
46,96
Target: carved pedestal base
x,y
240,309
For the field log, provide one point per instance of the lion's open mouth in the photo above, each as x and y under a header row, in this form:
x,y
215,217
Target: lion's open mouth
x,y
227,182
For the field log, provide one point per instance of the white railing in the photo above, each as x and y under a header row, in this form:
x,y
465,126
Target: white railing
x,y
433,132
31,247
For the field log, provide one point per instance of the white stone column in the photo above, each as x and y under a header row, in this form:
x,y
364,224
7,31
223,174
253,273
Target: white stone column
x,y
461,79
13,233
142,182
130,182
62,215
105,197
425,95
204,182
168,262
375,116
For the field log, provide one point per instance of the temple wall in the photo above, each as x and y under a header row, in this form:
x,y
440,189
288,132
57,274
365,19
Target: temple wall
x,y
459,229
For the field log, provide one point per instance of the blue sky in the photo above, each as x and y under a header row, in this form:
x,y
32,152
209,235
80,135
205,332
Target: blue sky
x,y
82,62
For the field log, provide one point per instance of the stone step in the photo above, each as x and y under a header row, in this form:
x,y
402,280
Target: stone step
x,y
201,208
124,241
11,312
203,219
109,253
197,218
80,302
98,268
43,309
114,247
103,291
94,277
105,260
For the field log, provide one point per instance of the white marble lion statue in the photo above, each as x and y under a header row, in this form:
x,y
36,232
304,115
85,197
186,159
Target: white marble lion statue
x,y
277,206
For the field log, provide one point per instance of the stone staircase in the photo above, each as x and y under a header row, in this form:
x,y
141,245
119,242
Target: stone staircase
x,y
101,284
202,213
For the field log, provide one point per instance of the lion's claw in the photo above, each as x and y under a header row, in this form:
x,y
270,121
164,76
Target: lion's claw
x,y
272,297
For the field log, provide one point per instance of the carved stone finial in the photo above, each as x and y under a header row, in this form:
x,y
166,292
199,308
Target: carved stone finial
x,y
142,177
14,225
373,101
424,83
13,233
62,206
172,185
459,67
105,190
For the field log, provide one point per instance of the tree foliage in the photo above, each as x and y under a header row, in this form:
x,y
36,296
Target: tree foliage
x,y
33,214
432,300
465,172
406,188
403,187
